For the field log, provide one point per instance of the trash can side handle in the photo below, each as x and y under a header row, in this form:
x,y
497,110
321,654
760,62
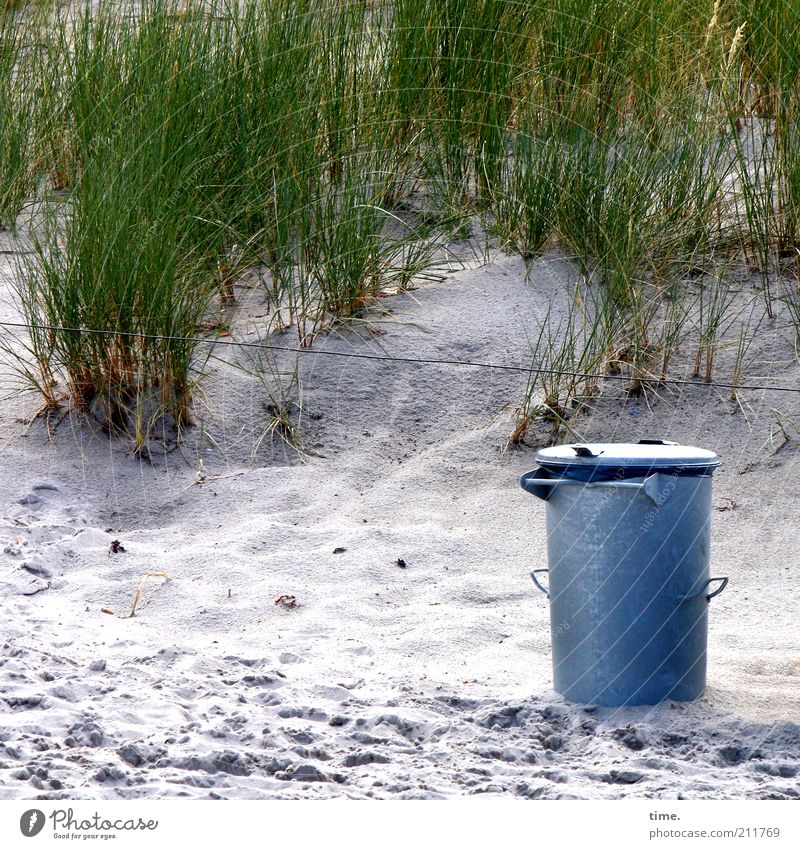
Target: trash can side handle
x,y
544,589
528,481
537,482
533,482
723,583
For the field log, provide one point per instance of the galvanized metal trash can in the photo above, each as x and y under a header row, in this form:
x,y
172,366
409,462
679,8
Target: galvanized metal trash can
x,y
628,536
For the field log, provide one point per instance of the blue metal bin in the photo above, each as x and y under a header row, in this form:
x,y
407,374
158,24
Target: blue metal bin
x,y
628,535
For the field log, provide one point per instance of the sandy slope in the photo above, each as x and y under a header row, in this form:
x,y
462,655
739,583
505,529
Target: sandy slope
x,y
424,681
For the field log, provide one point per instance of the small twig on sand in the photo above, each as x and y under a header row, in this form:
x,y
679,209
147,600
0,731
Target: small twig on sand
x,y
138,593
201,477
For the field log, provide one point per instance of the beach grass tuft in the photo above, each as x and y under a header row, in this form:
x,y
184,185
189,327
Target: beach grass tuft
x,y
337,147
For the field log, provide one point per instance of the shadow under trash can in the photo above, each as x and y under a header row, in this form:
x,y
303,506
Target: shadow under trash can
x,y
628,534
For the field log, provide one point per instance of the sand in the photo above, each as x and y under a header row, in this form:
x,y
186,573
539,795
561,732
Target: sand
x,y
415,660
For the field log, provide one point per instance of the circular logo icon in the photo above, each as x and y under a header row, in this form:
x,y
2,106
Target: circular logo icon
x,y
31,822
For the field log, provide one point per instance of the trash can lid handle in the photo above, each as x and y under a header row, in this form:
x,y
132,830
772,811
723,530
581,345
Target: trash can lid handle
x,y
583,451
656,442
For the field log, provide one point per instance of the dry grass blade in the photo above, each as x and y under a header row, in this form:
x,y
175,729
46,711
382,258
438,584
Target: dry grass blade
x,y
138,594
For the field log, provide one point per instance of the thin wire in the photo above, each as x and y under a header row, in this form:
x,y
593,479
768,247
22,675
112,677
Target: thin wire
x,y
232,343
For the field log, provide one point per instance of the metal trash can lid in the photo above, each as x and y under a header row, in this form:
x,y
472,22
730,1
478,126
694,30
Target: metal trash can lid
x,y
645,456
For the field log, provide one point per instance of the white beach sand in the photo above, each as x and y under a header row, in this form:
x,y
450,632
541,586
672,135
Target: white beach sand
x,y
431,680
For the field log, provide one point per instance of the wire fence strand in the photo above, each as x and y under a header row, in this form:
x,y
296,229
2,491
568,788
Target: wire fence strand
x,y
434,361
